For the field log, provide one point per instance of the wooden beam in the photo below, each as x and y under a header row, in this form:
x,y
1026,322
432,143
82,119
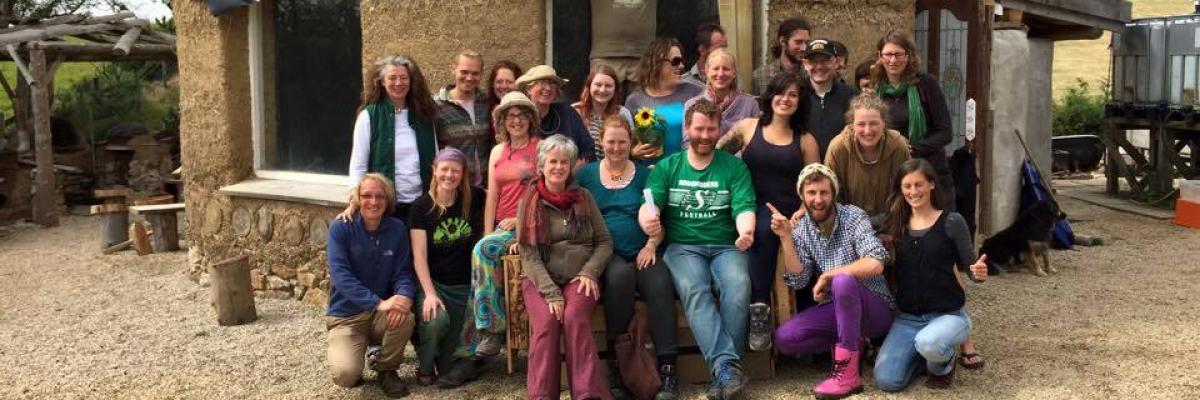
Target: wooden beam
x,y
126,42
12,52
51,32
104,19
45,204
70,49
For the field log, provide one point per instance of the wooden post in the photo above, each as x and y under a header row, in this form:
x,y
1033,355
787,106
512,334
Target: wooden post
x,y
166,234
45,204
232,295
21,115
1112,156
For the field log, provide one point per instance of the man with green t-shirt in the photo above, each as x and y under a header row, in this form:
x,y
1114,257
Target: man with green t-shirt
x,y
707,216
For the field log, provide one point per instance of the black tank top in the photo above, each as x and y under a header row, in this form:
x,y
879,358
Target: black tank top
x,y
924,272
773,170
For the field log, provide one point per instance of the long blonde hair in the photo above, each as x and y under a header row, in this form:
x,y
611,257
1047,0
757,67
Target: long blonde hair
x,y
389,190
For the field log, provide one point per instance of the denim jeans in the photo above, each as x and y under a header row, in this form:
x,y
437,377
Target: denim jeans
x,y
932,339
700,270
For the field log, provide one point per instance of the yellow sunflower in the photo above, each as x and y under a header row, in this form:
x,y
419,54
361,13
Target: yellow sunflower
x,y
644,118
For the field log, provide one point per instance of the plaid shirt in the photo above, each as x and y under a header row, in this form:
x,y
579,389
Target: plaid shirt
x,y
763,75
473,137
852,240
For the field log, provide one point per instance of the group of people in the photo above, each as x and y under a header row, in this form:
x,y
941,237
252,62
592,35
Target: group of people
x,y
853,187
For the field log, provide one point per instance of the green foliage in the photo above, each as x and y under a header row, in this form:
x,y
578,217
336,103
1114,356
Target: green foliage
x,y
118,93
1079,111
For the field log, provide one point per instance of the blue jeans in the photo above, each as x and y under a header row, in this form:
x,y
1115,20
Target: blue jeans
x,y
930,338
700,270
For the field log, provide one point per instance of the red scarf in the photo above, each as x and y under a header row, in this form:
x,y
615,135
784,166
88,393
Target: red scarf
x,y
534,230
723,102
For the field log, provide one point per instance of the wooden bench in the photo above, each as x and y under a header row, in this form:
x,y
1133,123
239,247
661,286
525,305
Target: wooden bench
x,y
165,235
692,367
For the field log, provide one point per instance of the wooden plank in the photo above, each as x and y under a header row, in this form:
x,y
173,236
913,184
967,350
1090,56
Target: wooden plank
x,y
153,200
157,208
108,208
112,192
140,238
45,202
16,59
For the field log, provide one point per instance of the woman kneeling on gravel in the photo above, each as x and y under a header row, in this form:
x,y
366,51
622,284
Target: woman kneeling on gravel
x,y
445,224
929,244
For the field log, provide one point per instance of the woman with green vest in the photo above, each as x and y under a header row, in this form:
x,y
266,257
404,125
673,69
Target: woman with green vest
x,y
394,133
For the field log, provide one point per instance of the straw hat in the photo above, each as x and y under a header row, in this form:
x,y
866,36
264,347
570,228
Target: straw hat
x,y
516,99
538,73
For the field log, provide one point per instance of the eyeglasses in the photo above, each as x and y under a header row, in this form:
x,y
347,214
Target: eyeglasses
x,y
675,62
894,55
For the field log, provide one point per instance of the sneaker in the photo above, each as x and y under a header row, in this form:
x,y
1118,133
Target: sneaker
x,y
460,374
760,327
391,384
668,388
732,378
373,353
489,345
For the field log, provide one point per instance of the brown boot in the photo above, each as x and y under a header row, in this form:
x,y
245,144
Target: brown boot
x,y
392,386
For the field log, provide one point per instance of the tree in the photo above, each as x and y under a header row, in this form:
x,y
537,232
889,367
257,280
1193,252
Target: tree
x,y
20,11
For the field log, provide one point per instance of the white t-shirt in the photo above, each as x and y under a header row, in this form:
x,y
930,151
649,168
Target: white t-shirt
x,y
408,161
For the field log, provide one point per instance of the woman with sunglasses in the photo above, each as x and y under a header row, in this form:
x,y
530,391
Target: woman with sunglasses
x,y
664,92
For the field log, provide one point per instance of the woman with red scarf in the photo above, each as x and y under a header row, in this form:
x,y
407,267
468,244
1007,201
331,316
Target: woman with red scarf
x,y
564,249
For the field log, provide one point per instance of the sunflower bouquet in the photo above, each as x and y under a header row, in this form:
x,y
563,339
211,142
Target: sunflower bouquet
x,y
650,128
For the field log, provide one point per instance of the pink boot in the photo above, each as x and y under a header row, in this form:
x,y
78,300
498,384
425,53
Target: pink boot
x,y
843,381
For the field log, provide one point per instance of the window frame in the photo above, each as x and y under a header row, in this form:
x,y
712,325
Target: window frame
x,y
258,110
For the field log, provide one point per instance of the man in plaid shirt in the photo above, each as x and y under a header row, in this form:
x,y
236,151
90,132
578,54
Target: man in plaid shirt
x,y
835,241
463,117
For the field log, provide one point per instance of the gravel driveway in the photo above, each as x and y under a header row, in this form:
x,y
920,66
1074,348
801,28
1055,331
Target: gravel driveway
x,y
1118,321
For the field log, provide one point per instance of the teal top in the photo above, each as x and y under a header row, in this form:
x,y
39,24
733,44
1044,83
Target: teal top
x,y
700,207
619,206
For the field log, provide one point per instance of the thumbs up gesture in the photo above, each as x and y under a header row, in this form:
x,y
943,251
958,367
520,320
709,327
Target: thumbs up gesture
x,y
979,270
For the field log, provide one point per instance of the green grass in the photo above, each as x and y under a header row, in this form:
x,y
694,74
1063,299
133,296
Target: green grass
x,y
65,77
1089,59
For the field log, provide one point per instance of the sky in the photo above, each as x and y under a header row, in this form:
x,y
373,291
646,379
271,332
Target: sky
x,y
145,9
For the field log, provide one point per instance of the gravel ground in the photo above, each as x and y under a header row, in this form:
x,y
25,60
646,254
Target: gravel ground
x,y
1118,321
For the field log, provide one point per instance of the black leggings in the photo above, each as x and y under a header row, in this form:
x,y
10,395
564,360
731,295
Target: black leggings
x,y
621,281
764,255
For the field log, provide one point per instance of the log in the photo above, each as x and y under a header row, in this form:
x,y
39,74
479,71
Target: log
x,y
118,247
232,295
113,229
118,191
140,239
125,43
45,204
165,232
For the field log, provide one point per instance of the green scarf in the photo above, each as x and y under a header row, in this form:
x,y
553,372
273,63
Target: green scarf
x,y
382,158
916,113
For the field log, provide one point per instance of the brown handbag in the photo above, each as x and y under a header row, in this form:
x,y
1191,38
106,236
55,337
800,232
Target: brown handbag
x,y
638,366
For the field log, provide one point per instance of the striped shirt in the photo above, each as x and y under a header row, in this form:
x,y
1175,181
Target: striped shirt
x,y
852,240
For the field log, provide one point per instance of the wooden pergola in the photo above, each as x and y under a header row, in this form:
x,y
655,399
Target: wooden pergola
x,y
38,48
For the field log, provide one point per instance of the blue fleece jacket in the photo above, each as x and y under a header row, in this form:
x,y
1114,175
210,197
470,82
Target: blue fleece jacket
x,y
368,267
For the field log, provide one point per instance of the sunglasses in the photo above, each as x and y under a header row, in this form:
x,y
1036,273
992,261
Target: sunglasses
x,y
675,62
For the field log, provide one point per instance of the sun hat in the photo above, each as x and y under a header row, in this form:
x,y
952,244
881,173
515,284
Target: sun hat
x,y
537,73
516,99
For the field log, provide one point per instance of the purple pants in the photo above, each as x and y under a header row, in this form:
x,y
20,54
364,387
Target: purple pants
x,y
854,311
575,330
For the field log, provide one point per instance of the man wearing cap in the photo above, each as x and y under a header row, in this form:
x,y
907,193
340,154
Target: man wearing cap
x,y
789,47
830,98
463,115
841,54
835,242
542,84
709,37
707,214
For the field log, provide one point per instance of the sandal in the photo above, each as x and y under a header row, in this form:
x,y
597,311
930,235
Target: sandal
x,y
978,362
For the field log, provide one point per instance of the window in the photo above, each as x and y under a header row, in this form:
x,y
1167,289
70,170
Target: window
x,y
306,76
